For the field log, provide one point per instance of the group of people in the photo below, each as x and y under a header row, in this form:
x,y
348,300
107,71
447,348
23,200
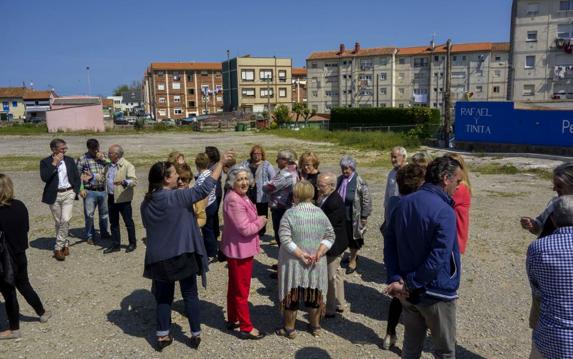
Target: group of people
x,y
316,216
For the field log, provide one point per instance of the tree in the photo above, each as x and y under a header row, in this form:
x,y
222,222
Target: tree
x,y
281,114
120,89
298,108
307,113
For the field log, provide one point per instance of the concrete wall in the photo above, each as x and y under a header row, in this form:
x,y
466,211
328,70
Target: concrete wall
x,y
80,118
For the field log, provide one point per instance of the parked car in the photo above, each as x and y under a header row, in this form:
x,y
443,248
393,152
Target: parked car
x,y
188,121
121,121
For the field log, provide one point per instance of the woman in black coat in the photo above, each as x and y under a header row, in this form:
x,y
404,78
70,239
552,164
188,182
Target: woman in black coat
x,y
14,222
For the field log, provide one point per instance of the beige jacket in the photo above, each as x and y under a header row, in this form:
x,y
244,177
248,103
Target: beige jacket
x,y
125,171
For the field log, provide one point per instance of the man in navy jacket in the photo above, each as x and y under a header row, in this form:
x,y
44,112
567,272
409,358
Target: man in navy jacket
x,y
60,174
423,260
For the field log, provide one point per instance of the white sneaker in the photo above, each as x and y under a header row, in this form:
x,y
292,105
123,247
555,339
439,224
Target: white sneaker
x,y
44,317
389,341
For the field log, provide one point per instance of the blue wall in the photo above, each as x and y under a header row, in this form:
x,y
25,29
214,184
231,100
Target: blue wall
x,y
499,122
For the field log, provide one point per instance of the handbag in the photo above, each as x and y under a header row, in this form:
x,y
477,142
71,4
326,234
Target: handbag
x,y
7,265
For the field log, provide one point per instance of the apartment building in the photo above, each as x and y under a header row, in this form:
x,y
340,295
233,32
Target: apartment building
x,y
257,84
405,77
541,50
299,84
176,90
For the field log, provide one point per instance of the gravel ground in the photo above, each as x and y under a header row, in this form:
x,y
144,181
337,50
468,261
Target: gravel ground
x,y
103,308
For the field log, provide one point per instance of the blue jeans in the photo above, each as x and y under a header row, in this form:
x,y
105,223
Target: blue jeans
x,y
93,199
163,292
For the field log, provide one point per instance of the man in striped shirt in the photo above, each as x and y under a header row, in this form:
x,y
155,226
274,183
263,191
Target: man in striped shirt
x,y
550,272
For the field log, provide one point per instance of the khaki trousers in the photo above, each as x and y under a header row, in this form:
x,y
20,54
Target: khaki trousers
x,y
62,212
335,295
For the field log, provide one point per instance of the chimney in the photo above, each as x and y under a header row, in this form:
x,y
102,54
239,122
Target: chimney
x,y
341,49
356,47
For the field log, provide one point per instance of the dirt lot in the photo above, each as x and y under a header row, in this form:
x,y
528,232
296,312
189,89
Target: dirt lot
x,y
103,308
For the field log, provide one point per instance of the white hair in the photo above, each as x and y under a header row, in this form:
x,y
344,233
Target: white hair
x,y
401,150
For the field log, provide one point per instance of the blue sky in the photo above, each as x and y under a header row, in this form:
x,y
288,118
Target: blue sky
x,y
50,43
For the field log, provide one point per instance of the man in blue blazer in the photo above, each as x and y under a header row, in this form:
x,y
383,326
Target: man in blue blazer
x,y
60,174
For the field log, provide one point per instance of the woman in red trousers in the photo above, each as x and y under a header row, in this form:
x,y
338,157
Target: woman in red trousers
x,y
463,199
240,243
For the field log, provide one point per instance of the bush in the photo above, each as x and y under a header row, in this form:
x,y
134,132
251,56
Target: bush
x,y
344,118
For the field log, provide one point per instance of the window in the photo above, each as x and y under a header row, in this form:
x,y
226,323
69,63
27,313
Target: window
x,y
316,82
366,93
331,79
162,100
248,92
532,9
419,76
529,61
365,64
14,103
248,75
282,75
454,58
177,111
190,103
204,73
420,62
331,93
402,61
383,76
176,85
498,58
528,90
531,36
365,80
565,31
160,73
496,89
162,112
401,105
314,93
282,92
383,91
479,89
401,91
464,58
176,99
205,90
267,93
190,77
313,65
331,64
176,76
191,91
161,87
458,75
436,58
497,73
565,5
266,75
383,61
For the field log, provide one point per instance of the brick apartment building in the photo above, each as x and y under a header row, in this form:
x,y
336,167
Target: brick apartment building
x,y
176,90
299,84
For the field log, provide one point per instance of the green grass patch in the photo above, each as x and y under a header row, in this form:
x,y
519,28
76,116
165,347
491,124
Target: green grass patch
x,y
360,140
20,163
499,169
24,129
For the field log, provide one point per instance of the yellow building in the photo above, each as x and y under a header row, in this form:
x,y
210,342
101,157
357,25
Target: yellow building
x,y
12,101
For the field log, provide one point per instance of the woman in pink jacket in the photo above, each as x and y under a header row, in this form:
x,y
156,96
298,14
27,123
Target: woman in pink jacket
x,y
240,243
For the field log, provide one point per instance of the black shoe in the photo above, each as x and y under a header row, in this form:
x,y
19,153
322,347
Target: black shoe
x,y
105,235
194,342
249,336
232,326
161,344
351,270
130,248
111,250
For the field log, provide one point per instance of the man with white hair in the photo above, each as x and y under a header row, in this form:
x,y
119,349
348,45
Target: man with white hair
x,y
398,157
120,181
550,272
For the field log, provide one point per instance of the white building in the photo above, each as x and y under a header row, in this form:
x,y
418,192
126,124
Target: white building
x,y
405,77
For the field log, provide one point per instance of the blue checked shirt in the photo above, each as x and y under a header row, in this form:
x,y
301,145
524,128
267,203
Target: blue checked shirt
x,y
550,272
87,163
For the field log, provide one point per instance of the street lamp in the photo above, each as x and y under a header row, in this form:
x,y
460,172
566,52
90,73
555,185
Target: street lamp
x,y
89,81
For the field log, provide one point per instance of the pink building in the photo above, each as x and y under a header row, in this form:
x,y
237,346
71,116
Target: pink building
x,y
75,113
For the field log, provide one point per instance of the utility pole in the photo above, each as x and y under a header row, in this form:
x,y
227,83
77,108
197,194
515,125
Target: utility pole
x,y
89,81
447,95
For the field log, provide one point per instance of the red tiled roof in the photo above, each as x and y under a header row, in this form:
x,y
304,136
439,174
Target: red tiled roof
x,y
299,71
38,95
416,50
12,92
174,66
